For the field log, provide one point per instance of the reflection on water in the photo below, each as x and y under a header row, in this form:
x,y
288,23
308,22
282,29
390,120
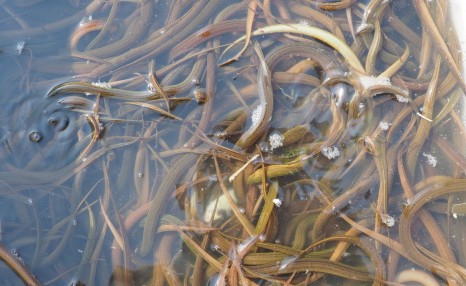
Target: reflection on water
x,y
138,147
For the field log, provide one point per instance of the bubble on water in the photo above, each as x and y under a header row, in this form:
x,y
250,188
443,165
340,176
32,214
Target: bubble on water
x,y
35,136
220,134
196,81
213,178
264,147
407,202
199,94
16,254
85,20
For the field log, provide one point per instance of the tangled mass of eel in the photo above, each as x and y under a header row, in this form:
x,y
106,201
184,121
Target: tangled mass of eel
x,y
219,142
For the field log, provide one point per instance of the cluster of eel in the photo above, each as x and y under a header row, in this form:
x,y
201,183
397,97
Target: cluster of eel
x,y
256,142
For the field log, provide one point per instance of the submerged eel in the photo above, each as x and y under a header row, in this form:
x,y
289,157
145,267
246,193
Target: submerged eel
x,y
322,55
334,71
316,33
429,190
179,168
265,107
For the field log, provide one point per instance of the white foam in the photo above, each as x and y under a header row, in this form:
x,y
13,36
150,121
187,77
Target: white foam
x,y
102,84
20,47
257,114
430,159
401,98
276,140
84,20
369,81
277,202
387,220
330,152
384,125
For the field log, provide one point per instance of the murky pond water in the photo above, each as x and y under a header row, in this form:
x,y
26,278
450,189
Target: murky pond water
x,y
231,143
